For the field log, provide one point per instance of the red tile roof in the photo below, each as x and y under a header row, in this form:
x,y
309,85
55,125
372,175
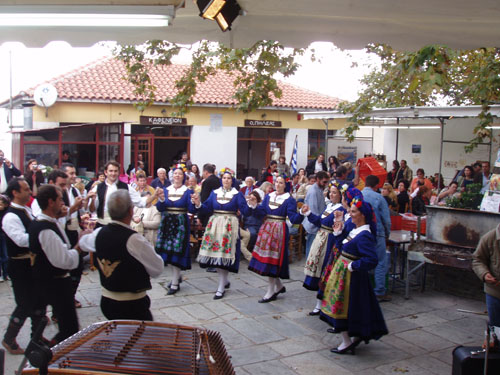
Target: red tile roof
x,y
103,80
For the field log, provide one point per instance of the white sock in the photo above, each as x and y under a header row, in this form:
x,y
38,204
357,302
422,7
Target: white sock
x,y
277,285
318,305
270,287
346,340
222,281
176,274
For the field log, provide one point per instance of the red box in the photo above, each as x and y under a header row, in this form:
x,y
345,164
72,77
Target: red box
x,y
368,166
409,222
396,222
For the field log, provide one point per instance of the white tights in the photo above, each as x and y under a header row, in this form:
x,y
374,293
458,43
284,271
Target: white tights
x,y
176,275
223,279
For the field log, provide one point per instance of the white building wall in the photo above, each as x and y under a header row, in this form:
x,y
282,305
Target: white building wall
x,y
217,146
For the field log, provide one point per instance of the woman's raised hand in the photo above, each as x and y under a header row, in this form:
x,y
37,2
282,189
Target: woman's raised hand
x,y
195,199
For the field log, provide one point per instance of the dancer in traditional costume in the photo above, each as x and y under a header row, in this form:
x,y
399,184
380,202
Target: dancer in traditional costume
x,y
270,253
349,303
220,247
173,236
324,242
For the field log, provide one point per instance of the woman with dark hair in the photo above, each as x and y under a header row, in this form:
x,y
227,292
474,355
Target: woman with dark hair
x,y
270,254
196,171
252,223
268,175
419,181
323,243
467,178
349,303
421,200
33,176
403,197
333,164
220,247
302,176
173,235
392,174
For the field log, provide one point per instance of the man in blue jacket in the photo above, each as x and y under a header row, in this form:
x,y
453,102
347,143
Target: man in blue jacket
x,y
381,210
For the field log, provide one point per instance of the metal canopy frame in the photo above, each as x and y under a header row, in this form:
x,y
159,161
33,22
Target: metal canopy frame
x,y
418,112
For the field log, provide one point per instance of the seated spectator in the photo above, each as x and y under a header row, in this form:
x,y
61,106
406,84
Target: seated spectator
x,y
403,197
142,186
146,221
466,179
438,181
341,176
249,186
447,193
350,171
196,171
161,181
392,174
390,196
265,188
101,177
420,178
302,191
302,176
268,175
192,184
421,200
295,185
252,224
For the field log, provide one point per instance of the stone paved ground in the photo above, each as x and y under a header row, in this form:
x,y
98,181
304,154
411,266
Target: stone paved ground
x,y
280,338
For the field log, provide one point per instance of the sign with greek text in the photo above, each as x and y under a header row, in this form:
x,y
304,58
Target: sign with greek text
x,y
269,123
148,120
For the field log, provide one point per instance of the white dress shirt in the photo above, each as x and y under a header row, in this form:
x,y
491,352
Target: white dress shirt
x,y
135,197
57,251
3,179
14,228
137,246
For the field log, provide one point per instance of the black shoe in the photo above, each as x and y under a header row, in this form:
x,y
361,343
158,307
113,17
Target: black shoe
x,y
211,269
315,312
332,330
170,283
219,295
282,290
173,291
351,348
266,300
228,285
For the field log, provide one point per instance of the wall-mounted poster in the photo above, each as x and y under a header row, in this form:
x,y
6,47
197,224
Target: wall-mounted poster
x,y
347,153
416,149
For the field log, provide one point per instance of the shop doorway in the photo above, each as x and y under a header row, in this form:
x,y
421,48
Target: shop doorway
x,y
168,151
256,148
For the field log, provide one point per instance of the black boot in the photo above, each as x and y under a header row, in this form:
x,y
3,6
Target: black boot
x,y
9,340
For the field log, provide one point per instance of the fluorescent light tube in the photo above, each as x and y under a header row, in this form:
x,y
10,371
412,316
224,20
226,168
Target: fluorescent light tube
x,y
426,127
83,20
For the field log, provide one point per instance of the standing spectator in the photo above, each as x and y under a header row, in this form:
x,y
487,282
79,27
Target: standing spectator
x,y
7,171
100,178
383,221
209,184
252,225
33,176
268,175
390,196
393,173
351,173
132,166
185,160
283,168
403,197
149,219
161,181
404,172
341,177
420,178
486,175
66,158
333,164
315,199
249,186
4,207
142,186
485,265
316,165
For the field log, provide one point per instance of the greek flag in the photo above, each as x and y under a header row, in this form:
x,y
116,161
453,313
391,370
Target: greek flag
x,y
293,161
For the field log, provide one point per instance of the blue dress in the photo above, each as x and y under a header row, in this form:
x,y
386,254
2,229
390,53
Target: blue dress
x,y
349,303
174,232
220,247
325,223
270,253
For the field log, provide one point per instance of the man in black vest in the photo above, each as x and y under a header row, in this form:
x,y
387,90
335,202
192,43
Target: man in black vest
x,y
73,199
15,226
126,261
101,193
52,259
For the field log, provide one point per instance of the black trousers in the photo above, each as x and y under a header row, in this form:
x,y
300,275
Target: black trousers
x,y
126,310
58,293
28,303
75,274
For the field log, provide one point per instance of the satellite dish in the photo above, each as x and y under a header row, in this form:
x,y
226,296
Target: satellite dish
x,y
45,95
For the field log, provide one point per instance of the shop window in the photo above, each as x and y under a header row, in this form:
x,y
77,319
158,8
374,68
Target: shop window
x,y
260,133
277,133
44,154
43,136
109,133
79,134
108,153
180,131
316,143
244,133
